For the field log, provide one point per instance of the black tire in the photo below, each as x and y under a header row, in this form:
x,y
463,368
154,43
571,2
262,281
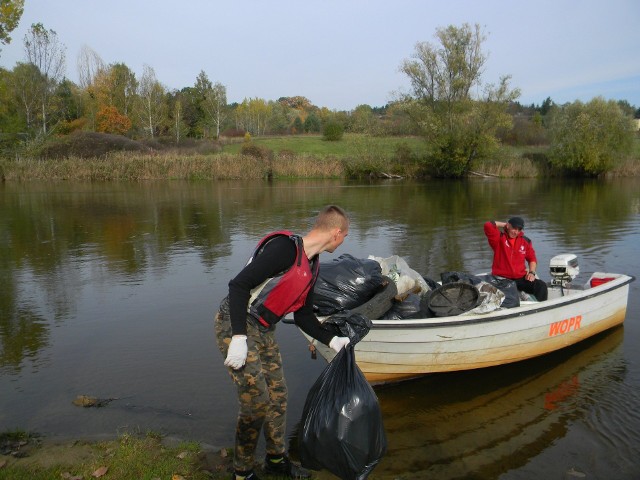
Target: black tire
x,y
380,303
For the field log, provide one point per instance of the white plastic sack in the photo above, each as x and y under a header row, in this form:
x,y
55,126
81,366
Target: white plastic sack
x,y
490,299
405,277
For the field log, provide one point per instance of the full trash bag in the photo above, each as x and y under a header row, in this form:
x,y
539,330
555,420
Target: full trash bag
x,y
345,283
414,306
491,299
348,324
341,427
405,277
508,287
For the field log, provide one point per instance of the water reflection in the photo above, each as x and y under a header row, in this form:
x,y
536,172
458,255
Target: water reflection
x,y
109,290
481,424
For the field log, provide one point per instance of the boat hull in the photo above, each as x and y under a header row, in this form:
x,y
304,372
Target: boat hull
x,y
396,350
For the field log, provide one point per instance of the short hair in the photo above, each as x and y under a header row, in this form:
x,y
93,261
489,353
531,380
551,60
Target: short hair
x,y
330,217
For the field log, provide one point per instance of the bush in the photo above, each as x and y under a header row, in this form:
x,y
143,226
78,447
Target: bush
x,y
89,145
67,127
255,151
589,139
333,131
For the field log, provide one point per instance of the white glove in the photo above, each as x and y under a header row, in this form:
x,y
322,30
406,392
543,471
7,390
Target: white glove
x,y
338,342
237,353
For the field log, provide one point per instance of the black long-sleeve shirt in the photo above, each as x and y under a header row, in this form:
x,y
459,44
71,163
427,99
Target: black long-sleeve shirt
x,y
277,256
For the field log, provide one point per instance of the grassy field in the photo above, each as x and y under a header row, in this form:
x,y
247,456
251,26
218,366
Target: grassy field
x,y
350,145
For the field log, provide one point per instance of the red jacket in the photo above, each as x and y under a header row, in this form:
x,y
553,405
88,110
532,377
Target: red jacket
x,y
508,260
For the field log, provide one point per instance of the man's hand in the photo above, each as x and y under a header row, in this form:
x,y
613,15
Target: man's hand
x,y
337,343
237,353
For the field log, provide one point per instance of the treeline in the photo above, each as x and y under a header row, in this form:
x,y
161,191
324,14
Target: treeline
x,y
37,101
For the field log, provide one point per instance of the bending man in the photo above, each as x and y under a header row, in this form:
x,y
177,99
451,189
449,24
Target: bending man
x,y
278,279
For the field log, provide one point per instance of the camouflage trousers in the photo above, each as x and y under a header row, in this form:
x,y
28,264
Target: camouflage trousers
x,y
261,388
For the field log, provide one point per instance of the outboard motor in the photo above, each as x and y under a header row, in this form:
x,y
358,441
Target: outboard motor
x,y
563,268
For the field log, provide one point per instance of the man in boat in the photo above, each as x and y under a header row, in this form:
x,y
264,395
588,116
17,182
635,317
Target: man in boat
x,y
512,250
278,279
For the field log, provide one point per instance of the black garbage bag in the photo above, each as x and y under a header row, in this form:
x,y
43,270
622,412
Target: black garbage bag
x,y
413,306
431,282
345,283
341,426
452,277
508,287
348,324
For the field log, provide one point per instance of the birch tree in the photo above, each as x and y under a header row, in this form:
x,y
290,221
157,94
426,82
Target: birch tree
x,y
152,106
90,67
25,82
217,105
252,115
44,50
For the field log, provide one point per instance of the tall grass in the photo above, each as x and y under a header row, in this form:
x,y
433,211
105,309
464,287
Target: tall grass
x,y
293,157
513,162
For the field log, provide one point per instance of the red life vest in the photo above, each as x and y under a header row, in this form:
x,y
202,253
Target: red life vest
x,y
286,292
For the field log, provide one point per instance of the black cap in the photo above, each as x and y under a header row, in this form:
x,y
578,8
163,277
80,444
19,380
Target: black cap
x,y
517,222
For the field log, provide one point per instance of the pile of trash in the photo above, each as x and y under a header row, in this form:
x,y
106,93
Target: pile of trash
x,y
391,289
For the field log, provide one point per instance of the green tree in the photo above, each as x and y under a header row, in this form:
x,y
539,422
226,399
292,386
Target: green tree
x,y
363,120
458,127
298,126
312,123
9,117
10,14
191,112
122,87
279,122
212,100
546,106
588,139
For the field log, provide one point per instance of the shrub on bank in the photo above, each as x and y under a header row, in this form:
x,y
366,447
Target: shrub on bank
x,y
333,132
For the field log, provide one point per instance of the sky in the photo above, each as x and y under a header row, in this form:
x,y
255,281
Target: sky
x,y
343,53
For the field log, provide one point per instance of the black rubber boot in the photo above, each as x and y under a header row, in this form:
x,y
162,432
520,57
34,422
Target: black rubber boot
x,y
284,468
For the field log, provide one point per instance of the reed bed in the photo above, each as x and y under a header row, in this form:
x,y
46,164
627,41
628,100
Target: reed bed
x,y
509,162
307,166
136,167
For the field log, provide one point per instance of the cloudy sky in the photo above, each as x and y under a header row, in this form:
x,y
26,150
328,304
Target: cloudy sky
x,y
344,53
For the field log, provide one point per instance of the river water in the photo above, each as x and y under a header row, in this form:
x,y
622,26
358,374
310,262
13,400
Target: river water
x,y
109,290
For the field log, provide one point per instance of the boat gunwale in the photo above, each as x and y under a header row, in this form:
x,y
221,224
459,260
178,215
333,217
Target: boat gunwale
x,y
497,315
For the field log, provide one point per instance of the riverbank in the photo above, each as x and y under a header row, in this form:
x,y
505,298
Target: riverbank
x,y
110,158
129,457
125,166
